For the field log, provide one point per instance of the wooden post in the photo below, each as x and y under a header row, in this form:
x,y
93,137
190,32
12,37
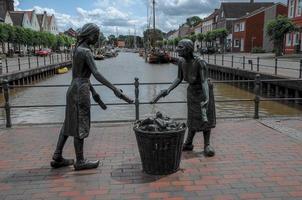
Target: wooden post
x,y
276,65
28,61
258,63
19,65
7,105
257,96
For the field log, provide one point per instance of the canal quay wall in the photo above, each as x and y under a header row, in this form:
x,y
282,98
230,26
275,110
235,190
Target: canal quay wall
x,y
271,85
28,76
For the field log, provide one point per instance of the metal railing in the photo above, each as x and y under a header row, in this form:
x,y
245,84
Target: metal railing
x,y
13,65
274,66
257,98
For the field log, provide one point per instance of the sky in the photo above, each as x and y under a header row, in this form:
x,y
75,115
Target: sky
x,y
122,16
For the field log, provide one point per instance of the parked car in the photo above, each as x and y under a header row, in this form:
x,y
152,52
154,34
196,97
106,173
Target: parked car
x,y
208,50
43,52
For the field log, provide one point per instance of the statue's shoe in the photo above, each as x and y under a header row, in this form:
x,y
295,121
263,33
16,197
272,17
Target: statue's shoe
x,y
209,151
187,147
61,163
86,164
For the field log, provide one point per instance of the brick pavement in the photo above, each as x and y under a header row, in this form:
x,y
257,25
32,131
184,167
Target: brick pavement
x,y
253,161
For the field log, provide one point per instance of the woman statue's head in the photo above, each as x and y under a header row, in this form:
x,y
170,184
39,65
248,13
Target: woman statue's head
x,y
89,32
185,48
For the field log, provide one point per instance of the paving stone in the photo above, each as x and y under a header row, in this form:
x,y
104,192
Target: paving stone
x,y
254,159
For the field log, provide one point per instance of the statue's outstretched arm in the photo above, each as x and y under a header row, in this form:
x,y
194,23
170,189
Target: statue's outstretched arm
x,y
178,80
98,76
175,83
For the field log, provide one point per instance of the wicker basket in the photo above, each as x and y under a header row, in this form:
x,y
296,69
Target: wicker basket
x,y
160,151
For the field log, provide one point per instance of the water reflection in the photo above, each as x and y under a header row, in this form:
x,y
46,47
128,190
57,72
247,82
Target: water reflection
x,y
123,69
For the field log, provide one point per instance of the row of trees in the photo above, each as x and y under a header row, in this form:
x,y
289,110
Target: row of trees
x,y
15,36
210,38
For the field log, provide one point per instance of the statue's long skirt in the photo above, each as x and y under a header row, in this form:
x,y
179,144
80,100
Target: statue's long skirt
x,y
77,113
194,99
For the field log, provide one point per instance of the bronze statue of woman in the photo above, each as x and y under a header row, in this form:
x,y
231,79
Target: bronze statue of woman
x,y
77,114
200,98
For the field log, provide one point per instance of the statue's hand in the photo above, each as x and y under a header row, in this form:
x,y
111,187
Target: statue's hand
x,y
162,93
119,93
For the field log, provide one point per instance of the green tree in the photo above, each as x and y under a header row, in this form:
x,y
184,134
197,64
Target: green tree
x,y
193,21
277,29
221,34
3,35
150,35
200,37
11,35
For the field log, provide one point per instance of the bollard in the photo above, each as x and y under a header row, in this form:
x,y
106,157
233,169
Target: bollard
x,y
251,63
243,62
300,76
0,66
258,63
6,65
232,60
37,58
222,60
5,85
276,65
136,85
257,96
19,65
28,61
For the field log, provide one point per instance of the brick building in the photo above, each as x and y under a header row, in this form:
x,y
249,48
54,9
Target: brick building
x,y
293,42
249,31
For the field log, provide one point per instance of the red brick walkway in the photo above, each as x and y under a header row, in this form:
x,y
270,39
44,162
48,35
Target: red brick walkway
x,y
253,161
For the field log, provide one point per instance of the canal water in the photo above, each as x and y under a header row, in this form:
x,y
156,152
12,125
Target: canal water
x,y
123,69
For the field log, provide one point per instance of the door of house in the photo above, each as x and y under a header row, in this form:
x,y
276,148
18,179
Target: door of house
x,y
242,44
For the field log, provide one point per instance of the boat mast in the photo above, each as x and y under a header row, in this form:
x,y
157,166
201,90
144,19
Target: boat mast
x,y
154,16
153,31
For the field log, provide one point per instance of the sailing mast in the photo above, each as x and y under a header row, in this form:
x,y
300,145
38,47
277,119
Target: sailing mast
x,y
153,39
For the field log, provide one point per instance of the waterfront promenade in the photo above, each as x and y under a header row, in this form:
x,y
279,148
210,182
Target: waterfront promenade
x,y
19,64
265,63
254,160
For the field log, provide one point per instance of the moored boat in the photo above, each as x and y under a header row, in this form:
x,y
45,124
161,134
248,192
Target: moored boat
x,y
62,70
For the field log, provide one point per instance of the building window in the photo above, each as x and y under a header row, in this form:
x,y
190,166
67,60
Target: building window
x,y
299,7
289,39
239,27
297,38
291,8
236,43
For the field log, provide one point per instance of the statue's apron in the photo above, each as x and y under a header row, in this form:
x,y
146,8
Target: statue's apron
x,y
195,97
77,114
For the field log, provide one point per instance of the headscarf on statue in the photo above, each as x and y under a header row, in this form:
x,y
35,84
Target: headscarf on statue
x,y
188,44
85,32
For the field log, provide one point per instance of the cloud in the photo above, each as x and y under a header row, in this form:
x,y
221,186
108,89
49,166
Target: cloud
x,y
116,15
